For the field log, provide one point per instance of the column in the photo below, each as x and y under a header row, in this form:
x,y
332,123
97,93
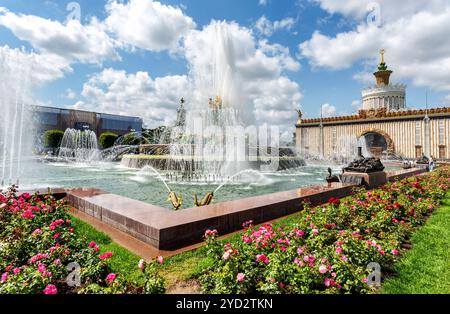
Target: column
x,y
427,143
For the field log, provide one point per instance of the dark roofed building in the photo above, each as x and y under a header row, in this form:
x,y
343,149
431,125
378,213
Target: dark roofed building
x,y
50,118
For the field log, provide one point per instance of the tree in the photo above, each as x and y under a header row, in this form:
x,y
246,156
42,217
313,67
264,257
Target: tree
x,y
107,139
53,138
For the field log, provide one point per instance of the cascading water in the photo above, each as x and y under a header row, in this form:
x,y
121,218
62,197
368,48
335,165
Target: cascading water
x,y
15,90
198,144
79,146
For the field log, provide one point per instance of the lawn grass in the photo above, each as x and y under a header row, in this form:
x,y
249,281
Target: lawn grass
x,y
123,261
426,267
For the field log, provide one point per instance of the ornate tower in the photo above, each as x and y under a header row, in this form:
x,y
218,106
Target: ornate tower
x,y
384,95
181,114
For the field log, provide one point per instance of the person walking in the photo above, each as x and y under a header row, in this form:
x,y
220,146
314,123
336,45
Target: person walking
x,y
431,163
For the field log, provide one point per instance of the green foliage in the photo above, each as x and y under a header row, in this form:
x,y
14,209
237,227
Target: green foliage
x,y
52,138
107,139
326,249
39,239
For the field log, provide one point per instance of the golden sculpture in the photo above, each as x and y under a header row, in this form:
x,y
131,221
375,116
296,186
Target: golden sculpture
x,y
176,200
300,115
205,201
216,103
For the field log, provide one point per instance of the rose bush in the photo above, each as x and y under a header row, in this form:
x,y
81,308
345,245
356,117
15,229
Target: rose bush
x,y
38,242
328,249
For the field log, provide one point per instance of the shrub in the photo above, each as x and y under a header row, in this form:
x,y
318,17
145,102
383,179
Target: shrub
x,y
107,139
53,138
38,243
329,247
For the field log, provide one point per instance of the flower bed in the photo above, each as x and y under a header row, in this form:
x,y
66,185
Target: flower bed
x,y
41,253
329,247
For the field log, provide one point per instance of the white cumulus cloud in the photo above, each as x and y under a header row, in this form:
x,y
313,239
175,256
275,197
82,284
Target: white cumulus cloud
x,y
116,91
266,27
72,41
148,24
416,44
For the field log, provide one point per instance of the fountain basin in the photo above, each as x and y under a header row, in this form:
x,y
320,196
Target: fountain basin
x,y
169,230
160,161
166,229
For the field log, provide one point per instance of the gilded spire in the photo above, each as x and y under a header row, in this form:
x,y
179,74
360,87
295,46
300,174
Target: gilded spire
x,y
382,66
382,51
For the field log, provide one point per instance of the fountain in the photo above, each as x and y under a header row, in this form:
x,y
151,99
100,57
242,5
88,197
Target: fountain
x,y
79,146
210,139
15,119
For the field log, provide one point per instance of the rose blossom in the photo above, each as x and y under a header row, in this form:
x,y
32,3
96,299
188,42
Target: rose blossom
x,y
36,232
4,277
226,255
47,274
41,268
160,259
323,269
50,289
106,255
394,252
28,214
141,264
240,277
262,258
16,270
111,277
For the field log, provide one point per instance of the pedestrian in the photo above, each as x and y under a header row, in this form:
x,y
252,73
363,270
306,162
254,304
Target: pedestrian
x,y
431,163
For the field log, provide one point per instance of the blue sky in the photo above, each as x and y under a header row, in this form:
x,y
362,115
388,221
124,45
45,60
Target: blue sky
x,y
316,52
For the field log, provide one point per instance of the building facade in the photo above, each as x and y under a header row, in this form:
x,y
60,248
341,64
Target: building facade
x,y
49,118
384,127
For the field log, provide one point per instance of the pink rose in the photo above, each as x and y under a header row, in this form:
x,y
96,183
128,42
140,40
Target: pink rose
x,y
41,268
323,269
111,277
16,270
394,252
226,255
160,259
4,277
338,250
47,274
50,289
105,256
240,277
141,264
262,258
28,214
36,232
